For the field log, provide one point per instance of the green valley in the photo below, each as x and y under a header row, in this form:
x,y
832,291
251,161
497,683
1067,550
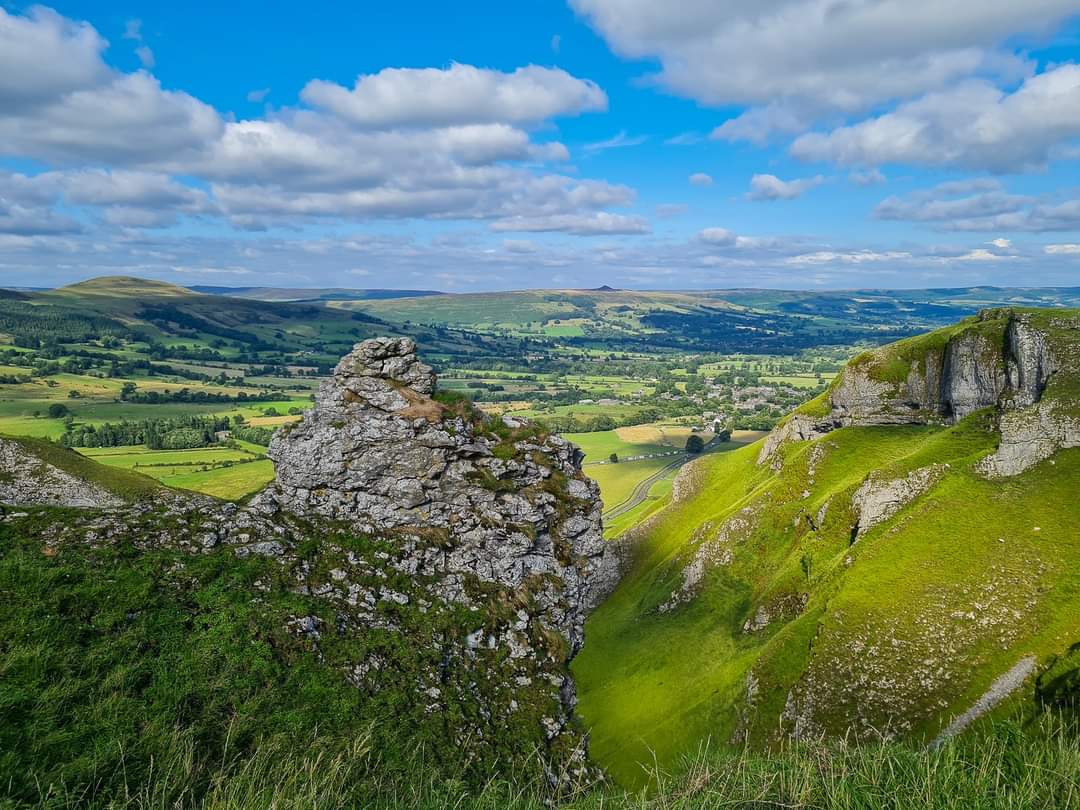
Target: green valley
x,y
893,564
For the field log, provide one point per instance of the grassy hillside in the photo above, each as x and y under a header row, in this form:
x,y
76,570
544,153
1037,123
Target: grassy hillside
x,y
753,620
754,611
173,314
136,676
308,294
773,321
124,483
71,354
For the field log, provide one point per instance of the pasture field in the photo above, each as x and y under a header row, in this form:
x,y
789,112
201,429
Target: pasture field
x,y
273,421
615,526
617,481
134,456
224,472
231,483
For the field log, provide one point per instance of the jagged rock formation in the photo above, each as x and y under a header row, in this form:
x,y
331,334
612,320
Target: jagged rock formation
x,y
943,384
1003,359
798,427
458,552
379,452
27,480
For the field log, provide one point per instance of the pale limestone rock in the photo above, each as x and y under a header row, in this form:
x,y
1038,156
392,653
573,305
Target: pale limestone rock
x,y
26,480
878,500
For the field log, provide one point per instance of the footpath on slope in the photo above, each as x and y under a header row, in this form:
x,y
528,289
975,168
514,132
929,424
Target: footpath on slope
x,y
1000,689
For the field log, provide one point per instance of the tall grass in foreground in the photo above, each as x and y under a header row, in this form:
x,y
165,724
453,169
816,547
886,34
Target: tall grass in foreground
x,y
1004,768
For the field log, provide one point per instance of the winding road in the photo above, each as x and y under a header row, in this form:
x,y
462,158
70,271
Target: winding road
x,y
641,491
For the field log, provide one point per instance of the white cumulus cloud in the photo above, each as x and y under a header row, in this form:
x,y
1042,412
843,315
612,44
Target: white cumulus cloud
x,y
974,125
794,61
459,94
769,187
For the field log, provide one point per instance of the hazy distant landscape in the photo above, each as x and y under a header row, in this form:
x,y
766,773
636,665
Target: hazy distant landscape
x,y
197,364
569,405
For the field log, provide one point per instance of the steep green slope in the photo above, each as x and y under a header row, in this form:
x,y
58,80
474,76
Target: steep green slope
x,y
871,580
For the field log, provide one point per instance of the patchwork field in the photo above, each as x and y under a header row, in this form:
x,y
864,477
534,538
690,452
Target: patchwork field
x,y
224,472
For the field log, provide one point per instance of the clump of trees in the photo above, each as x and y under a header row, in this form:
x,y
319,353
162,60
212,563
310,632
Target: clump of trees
x,y
130,393
178,433
694,443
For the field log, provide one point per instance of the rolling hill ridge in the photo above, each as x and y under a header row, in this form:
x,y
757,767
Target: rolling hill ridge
x,y
895,559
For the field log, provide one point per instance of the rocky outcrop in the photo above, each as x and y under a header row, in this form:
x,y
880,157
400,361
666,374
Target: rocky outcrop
x,y
973,376
507,502
1033,427
379,452
1003,359
27,480
1029,436
796,428
939,386
1029,362
458,554
877,500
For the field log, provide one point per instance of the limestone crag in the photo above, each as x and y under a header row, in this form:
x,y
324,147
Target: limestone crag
x,y
506,503
877,500
455,555
378,452
1003,359
1031,435
798,428
942,386
1029,363
28,480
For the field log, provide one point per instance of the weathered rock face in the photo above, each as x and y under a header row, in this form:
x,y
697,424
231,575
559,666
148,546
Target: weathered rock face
x,y
27,480
378,452
798,428
508,504
877,500
1005,359
942,386
1029,362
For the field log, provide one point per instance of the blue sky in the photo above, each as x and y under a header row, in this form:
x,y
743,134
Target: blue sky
x,y
694,144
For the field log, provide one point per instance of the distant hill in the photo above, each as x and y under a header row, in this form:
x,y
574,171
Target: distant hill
x,y
122,287
895,559
929,307
274,331
314,294
751,321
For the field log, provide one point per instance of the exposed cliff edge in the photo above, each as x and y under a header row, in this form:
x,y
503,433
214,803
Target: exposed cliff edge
x,y
1004,359
28,479
448,559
